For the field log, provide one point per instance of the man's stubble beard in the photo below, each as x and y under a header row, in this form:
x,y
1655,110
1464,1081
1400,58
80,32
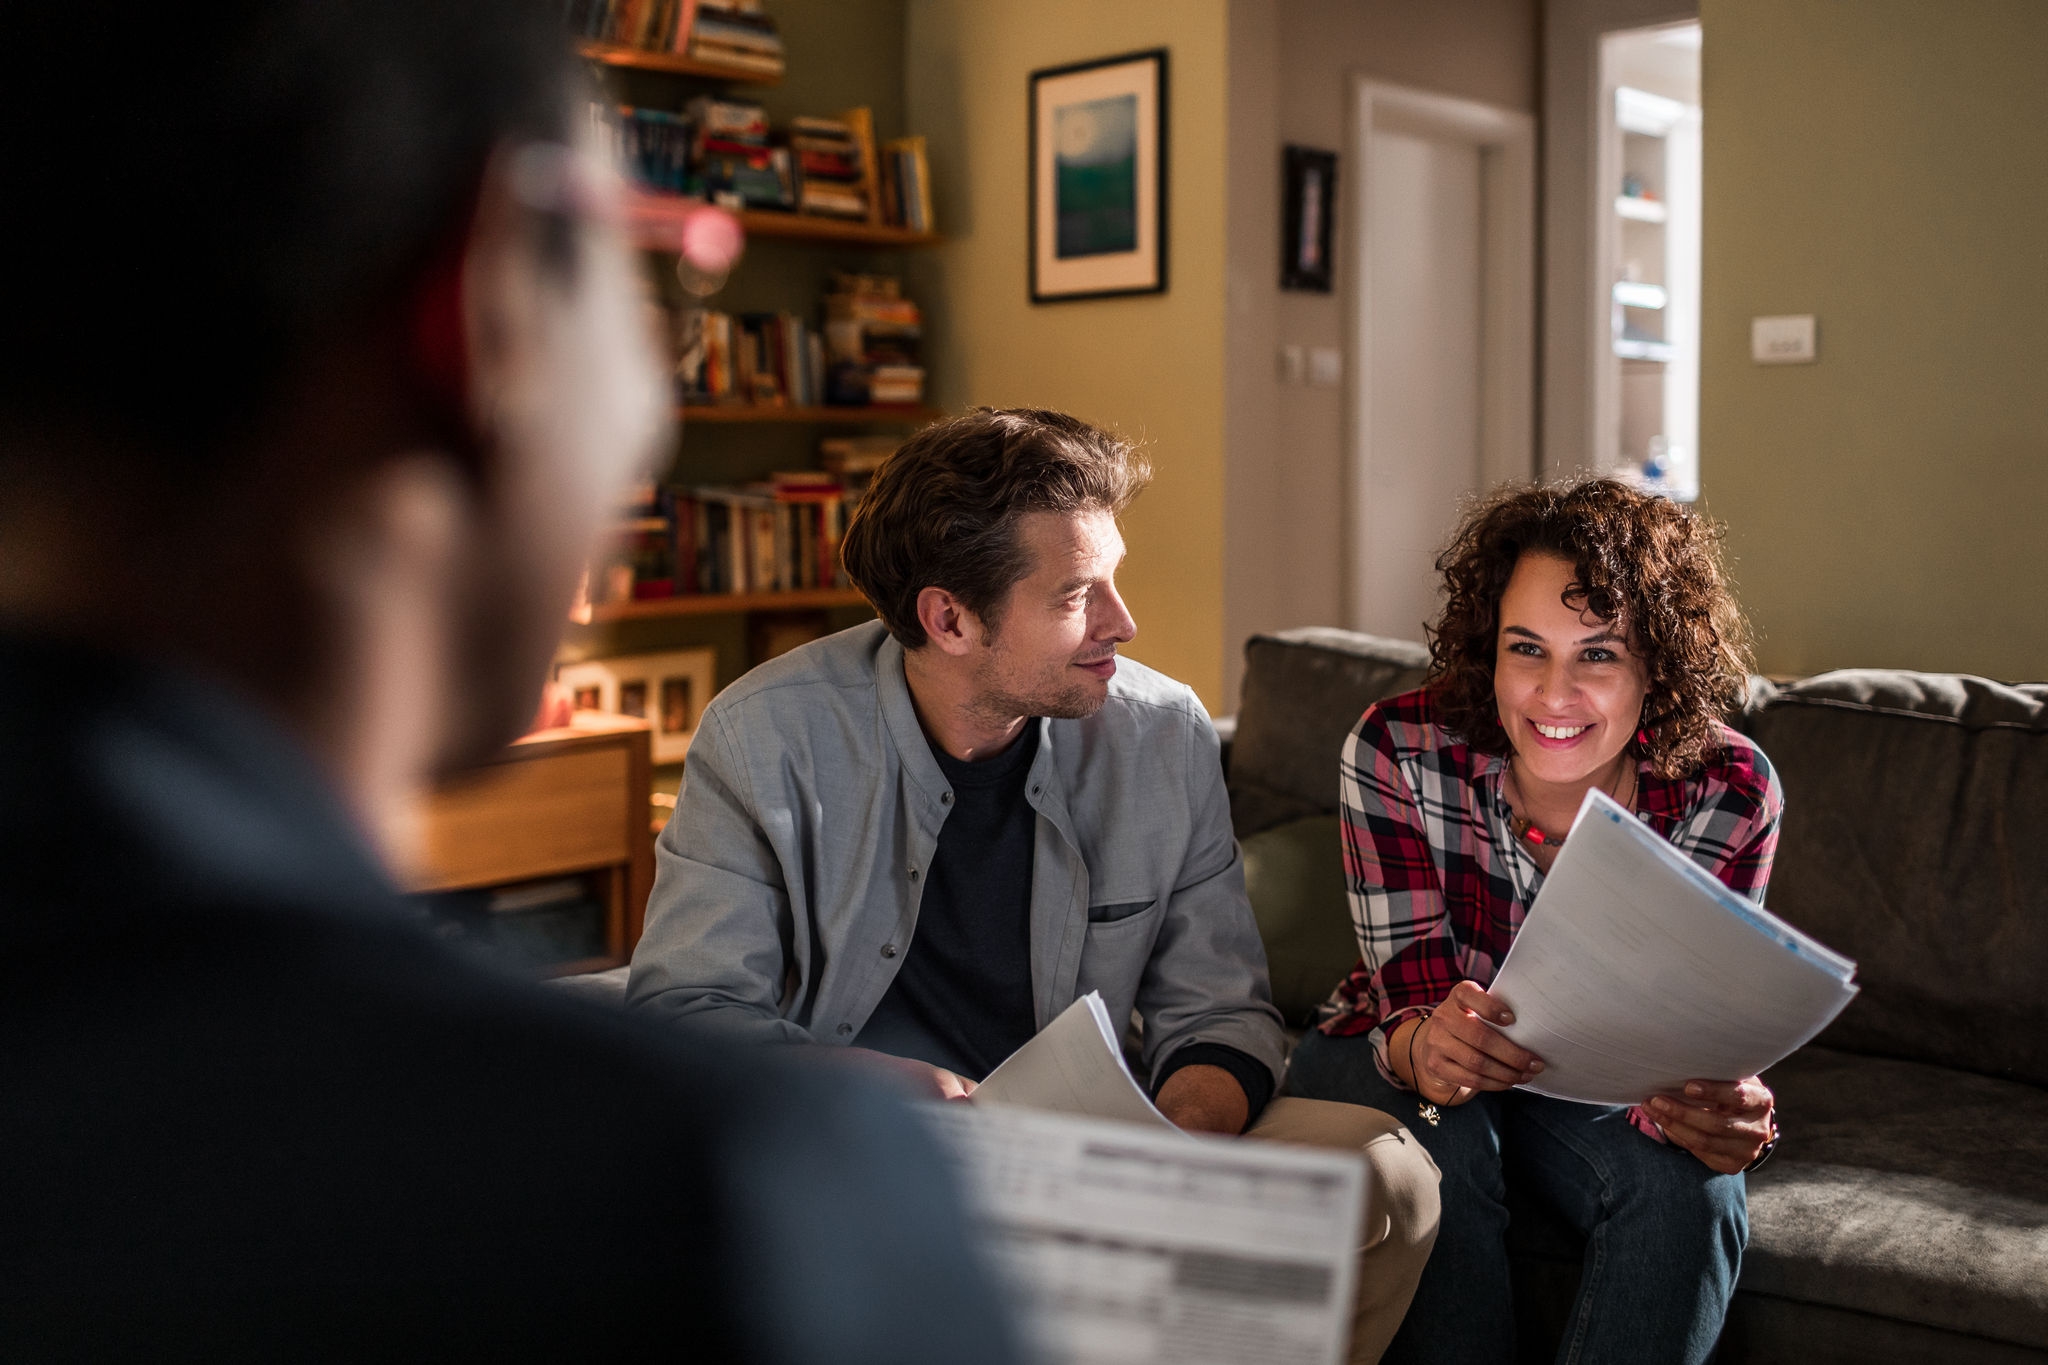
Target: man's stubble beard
x,y
996,705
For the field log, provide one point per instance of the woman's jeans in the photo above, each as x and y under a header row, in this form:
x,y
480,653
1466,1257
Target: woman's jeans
x,y
1664,1234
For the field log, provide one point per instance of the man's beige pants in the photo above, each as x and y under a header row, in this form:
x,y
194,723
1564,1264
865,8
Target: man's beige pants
x,y
1399,1224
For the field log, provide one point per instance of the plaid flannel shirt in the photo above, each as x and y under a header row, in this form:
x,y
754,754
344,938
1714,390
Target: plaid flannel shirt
x,y
1439,885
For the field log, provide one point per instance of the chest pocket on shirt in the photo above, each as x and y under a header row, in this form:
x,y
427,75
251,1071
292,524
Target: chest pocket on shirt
x,y
1110,914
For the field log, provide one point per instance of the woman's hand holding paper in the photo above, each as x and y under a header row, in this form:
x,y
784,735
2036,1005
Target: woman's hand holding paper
x,y
1458,1050
1726,1124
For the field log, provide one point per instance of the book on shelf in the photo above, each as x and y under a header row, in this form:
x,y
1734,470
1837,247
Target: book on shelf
x,y
726,151
872,340
906,184
780,534
757,358
734,157
737,37
649,25
861,124
655,146
853,460
834,178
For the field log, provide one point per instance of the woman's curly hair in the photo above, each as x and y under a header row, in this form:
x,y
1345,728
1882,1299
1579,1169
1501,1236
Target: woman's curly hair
x,y
1637,559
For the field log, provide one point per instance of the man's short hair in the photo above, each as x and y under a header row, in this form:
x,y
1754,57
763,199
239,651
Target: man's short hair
x,y
943,511
202,194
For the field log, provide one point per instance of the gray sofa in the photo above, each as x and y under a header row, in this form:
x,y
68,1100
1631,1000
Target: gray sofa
x,y
1905,1214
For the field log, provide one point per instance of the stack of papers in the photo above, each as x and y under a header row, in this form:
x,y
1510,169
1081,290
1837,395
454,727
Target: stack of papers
x,y
1636,971
1074,1065
1127,1245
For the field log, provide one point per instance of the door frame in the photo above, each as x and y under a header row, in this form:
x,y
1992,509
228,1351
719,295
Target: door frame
x,y
1577,200
1506,139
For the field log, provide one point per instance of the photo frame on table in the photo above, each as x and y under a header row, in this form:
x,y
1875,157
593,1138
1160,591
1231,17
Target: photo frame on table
x,y
1098,178
669,691
1308,213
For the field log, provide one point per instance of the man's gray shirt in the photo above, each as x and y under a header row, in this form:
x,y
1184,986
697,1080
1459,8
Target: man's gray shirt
x,y
787,883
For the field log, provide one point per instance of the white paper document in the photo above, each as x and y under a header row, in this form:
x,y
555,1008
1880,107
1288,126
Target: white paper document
x,y
1074,1065
1637,971
1129,1246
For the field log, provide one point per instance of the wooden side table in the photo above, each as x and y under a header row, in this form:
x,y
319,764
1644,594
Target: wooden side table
x,y
558,803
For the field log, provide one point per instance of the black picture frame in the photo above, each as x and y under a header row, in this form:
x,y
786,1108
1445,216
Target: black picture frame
x,y
1065,266
1308,215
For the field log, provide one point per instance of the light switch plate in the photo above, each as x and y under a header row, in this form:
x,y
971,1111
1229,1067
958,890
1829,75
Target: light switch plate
x,y
1782,340
1325,366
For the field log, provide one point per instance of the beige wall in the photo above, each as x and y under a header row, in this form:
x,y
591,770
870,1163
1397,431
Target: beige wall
x,y
1292,66
1880,165
1149,366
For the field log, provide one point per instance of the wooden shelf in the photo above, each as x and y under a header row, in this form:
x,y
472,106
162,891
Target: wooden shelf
x,y
811,227
906,414
672,63
712,604
657,221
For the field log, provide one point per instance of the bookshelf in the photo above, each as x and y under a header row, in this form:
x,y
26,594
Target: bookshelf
x,y
839,60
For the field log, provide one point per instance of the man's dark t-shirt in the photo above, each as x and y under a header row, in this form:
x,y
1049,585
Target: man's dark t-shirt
x,y
962,998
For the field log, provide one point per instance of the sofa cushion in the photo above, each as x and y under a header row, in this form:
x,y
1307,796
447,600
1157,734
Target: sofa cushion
x,y
1294,874
1906,1191
1303,691
1916,841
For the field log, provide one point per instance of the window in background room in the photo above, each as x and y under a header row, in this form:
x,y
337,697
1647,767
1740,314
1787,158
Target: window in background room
x,y
1647,377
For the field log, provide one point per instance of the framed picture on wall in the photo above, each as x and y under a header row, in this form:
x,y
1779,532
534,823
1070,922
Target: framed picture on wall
x,y
1307,213
1098,178
668,691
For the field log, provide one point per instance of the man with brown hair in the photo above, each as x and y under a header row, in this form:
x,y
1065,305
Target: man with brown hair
x,y
921,839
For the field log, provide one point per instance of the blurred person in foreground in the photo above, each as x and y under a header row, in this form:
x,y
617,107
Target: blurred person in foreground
x,y
327,368
916,842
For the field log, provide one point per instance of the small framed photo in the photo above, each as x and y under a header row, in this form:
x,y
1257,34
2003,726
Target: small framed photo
x,y
1098,178
1306,216
668,691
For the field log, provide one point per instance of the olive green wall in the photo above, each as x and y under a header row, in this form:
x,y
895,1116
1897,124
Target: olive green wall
x,y
1882,164
1150,366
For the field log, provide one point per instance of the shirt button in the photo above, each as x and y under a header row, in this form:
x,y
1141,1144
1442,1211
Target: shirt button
x,y
913,874
888,950
1034,790
845,1029
945,798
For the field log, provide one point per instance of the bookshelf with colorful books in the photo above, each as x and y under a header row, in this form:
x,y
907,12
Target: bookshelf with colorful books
x,y
791,119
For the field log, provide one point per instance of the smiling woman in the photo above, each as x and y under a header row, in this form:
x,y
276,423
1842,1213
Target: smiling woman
x,y
1588,639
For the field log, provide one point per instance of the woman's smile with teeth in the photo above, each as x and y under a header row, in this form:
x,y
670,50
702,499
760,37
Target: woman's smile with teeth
x,y
1559,731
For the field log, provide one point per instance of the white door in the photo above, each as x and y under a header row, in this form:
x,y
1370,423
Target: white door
x,y
1444,377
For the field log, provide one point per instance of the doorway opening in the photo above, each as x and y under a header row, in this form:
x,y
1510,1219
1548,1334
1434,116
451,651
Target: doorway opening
x,y
1646,376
